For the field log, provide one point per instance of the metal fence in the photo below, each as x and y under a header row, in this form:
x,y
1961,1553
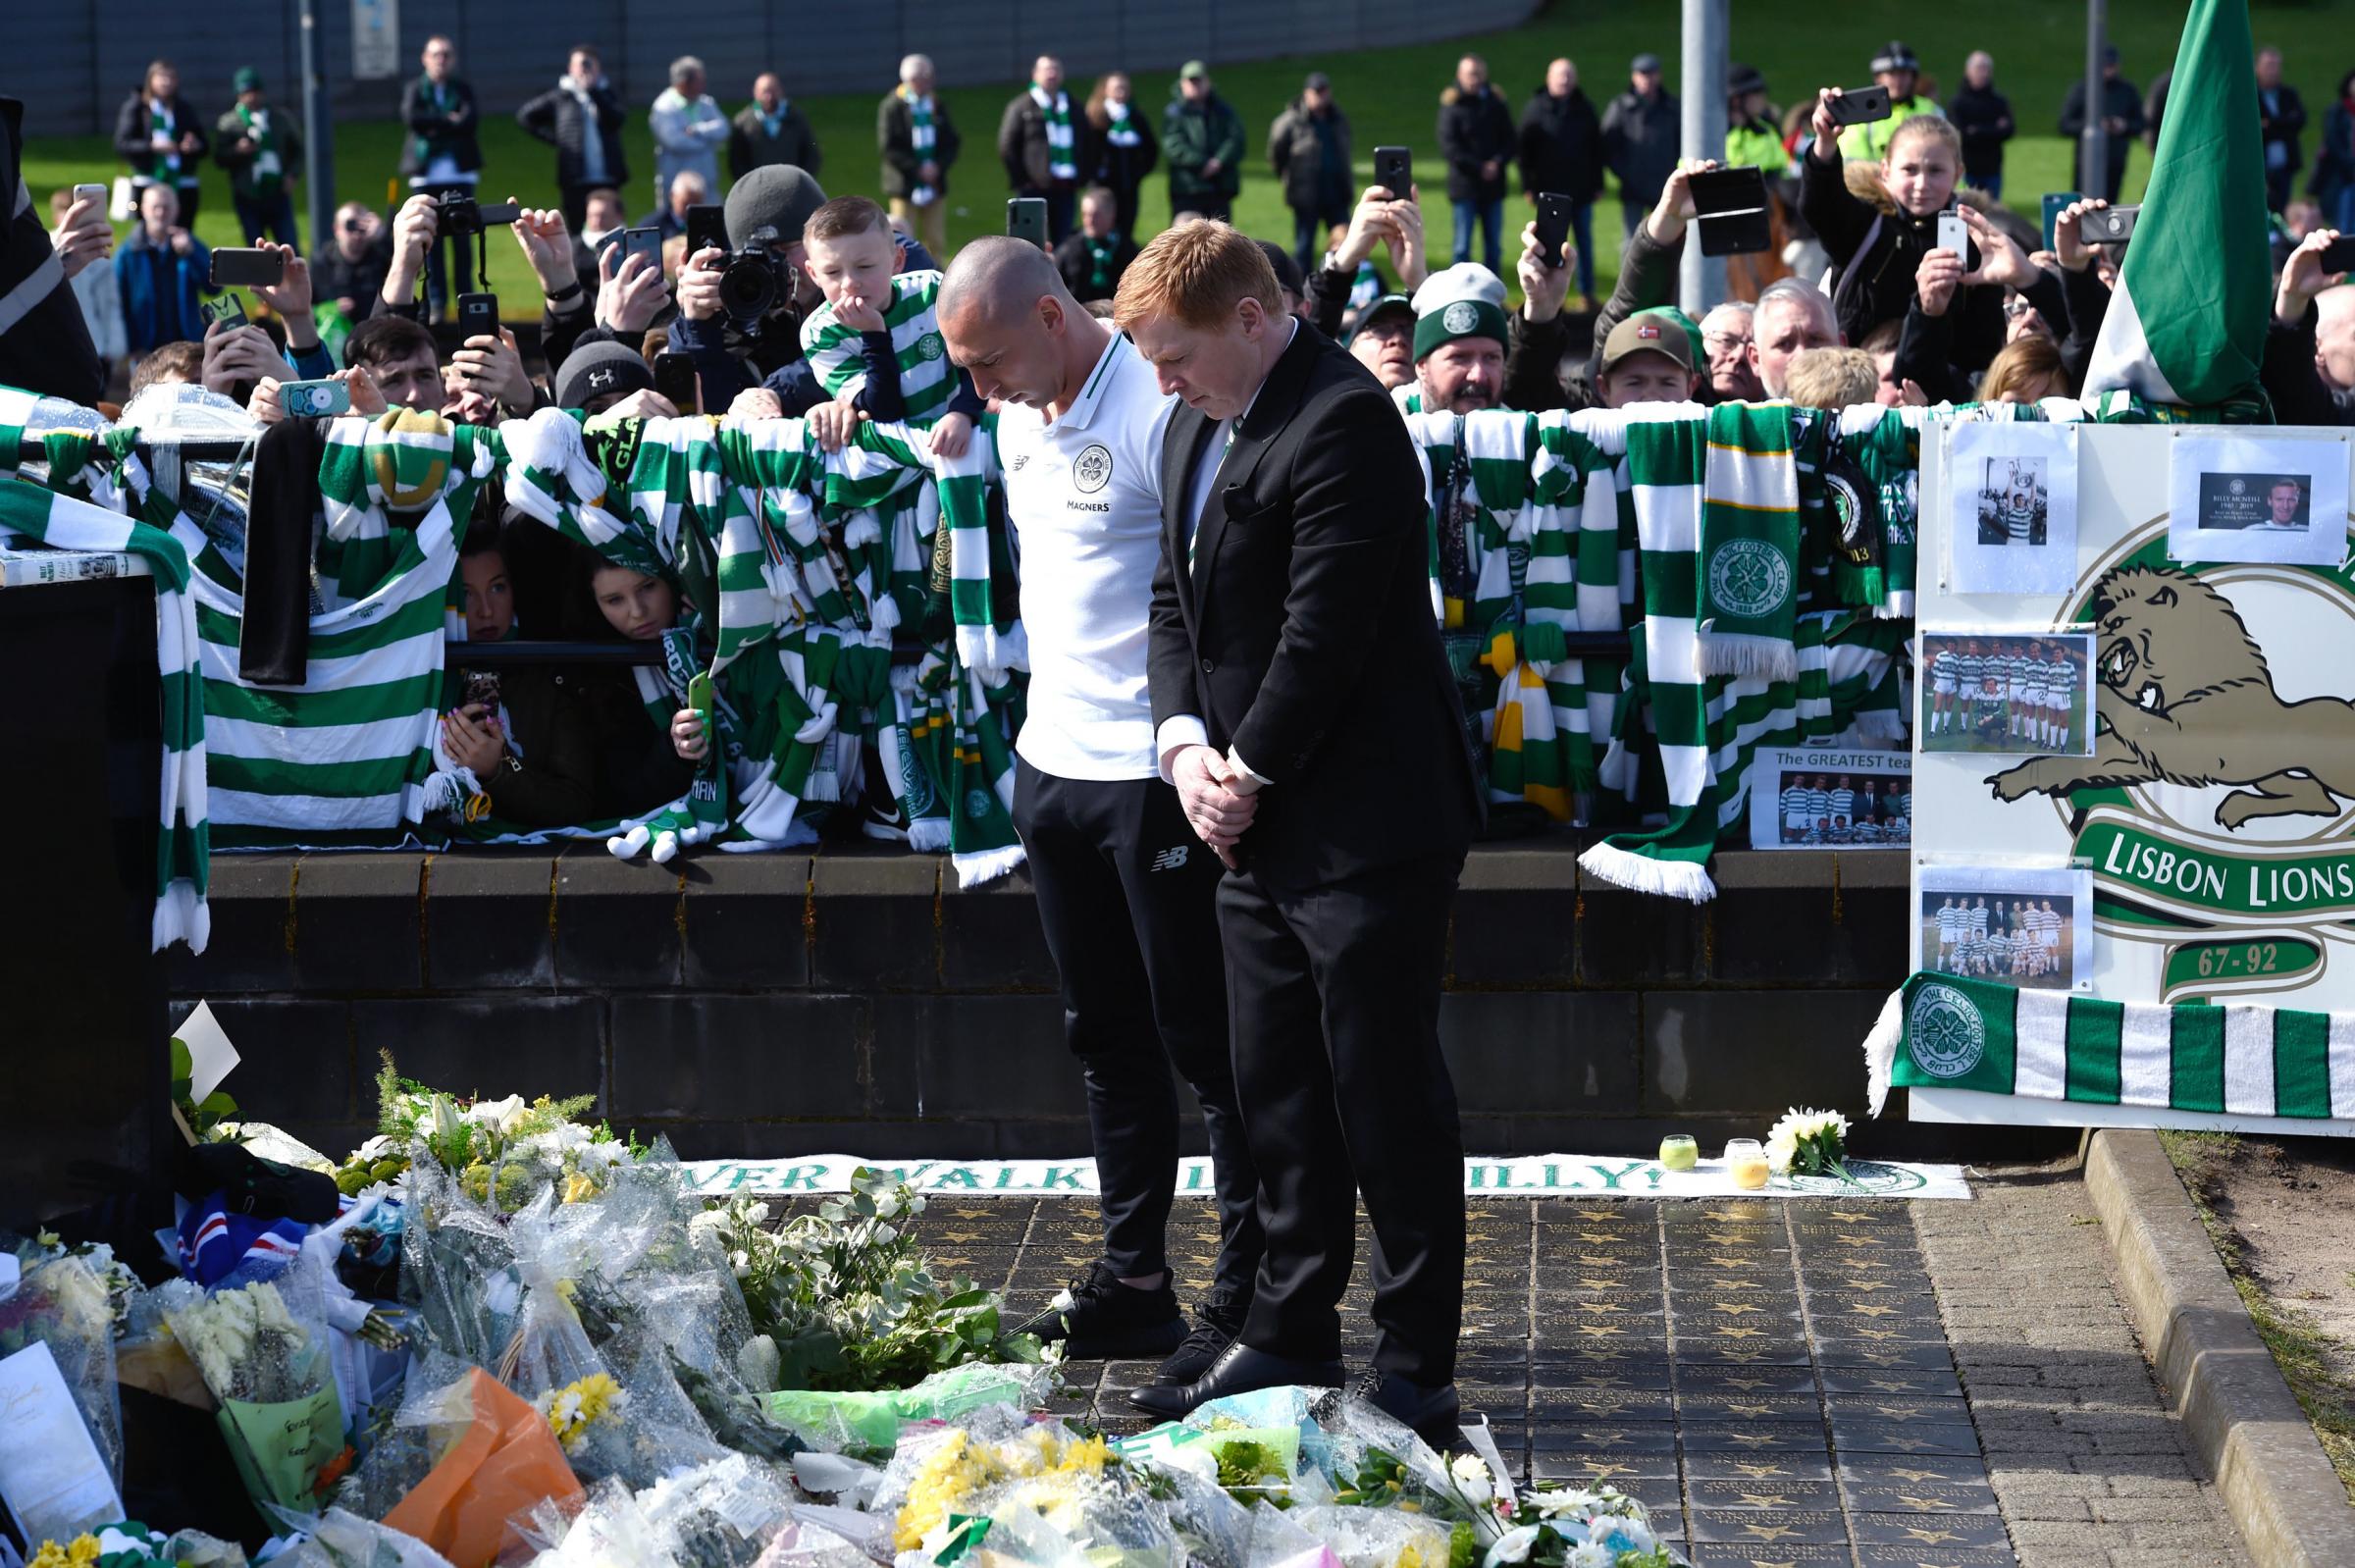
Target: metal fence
x,y
75,62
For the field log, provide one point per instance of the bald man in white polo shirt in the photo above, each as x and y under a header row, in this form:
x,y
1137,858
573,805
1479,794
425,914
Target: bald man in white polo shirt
x,y
1126,890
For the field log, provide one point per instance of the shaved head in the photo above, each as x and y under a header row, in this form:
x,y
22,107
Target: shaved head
x,y
1012,325
998,277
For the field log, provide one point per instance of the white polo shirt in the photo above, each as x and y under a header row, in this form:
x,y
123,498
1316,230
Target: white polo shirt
x,y
1084,495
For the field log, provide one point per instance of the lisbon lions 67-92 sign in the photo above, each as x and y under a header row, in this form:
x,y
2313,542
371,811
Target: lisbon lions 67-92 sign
x,y
2217,808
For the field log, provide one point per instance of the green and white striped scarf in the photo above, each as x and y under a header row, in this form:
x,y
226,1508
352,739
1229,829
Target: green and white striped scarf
x,y
838,356
160,122
1943,1032
183,833
989,639
922,138
398,463
1060,163
265,175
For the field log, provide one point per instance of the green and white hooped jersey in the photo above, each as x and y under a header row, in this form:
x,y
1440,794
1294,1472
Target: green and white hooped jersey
x,y
926,379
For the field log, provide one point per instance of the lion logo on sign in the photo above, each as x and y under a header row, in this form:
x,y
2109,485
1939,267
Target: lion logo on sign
x,y
2186,698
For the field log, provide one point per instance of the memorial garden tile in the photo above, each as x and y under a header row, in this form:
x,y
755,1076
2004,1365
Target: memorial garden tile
x,y
1779,1468
1614,1434
1708,1378
1914,1497
1918,1555
1737,1406
1868,1380
1593,1467
1904,1408
1963,1532
1761,1554
1722,1496
1752,1436
1818,1527
1890,1436
1913,1470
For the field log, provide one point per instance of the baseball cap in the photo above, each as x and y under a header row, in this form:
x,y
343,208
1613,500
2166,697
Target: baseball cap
x,y
596,369
1317,81
1192,70
1387,305
1646,333
1465,301
1287,268
1742,80
247,79
1646,64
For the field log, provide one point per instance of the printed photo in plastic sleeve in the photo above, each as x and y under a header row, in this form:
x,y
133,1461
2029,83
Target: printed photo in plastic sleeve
x,y
2275,498
1814,796
2029,926
2013,491
2006,692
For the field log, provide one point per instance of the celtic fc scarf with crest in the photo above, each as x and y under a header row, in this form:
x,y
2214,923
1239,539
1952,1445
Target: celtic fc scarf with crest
x,y
1943,1032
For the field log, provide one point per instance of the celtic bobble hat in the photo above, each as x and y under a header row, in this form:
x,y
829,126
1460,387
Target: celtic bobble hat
x,y
1465,301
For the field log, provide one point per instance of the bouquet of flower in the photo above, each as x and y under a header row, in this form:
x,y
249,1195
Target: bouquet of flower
x,y
1810,1143
1577,1527
717,1515
1034,1492
62,1303
269,1368
505,1151
846,1296
128,1543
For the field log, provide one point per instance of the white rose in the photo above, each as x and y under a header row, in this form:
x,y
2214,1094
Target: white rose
x,y
1514,1545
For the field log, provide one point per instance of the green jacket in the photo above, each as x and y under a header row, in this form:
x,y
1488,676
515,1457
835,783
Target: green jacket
x,y
1755,142
248,176
1191,135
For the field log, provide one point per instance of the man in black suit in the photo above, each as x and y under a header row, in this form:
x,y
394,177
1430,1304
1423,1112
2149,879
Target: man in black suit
x,y
1304,711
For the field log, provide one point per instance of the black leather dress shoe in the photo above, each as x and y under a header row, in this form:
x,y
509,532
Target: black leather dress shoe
x,y
1435,1414
1239,1369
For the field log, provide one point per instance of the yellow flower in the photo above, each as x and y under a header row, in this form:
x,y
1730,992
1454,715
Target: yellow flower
x,y
578,1188
1410,1555
79,1552
947,1476
1085,1456
577,1407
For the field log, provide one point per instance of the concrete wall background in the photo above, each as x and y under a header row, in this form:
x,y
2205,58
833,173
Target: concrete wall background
x,y
773,1005
74,63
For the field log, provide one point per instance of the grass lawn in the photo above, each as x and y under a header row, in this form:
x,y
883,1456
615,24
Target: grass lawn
x,y
1390,97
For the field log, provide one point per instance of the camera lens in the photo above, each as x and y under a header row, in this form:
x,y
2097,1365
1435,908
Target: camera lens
x,y
748,287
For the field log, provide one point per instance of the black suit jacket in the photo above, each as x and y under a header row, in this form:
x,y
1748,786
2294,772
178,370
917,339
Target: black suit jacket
x,y
1302,633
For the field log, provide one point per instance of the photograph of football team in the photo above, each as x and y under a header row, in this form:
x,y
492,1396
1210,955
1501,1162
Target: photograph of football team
x,y
2006,692
1815,798
2021,939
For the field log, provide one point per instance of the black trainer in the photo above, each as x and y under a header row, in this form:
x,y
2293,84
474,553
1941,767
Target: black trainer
x,y
1216,1322
1100,1319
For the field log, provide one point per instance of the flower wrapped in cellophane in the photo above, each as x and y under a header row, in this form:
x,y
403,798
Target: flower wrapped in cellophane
x,y
59,1308
717,1515
1017,1490
269,1368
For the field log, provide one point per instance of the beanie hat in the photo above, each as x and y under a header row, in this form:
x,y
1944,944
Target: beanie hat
x,y
1465,301
247,79
779,196
1646,333
1287,267
596,369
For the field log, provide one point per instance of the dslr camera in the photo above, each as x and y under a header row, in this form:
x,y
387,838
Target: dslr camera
x,y
456,212
754,279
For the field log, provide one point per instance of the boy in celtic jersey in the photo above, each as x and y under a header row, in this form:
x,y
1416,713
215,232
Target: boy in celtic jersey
x,y
875,344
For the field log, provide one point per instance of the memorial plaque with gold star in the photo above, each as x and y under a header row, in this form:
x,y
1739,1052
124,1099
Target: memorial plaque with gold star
x,y
1754,1437
1784,1554
1590,1467
1969,1532
1904,1408
1590,1371
1779,1469
1753,1347
1733,1405
1889,1436
1602,1404
1703,1380
1915,1498
1809,1495
1912,1470
1631,1437
1918,1555
1938,1382
1765,1527
1883,1348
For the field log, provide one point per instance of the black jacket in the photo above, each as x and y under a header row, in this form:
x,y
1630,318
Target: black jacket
x,y
751,146
1120,169
585,749
334,278
1301,633
132,133
1640,140
1311,159
2299,394
1076,261
896,141
1875,251
1561,146
555,116
1475,128
2120,99
436,130
1533,358
2283,126
45,344
1984,118
1024,149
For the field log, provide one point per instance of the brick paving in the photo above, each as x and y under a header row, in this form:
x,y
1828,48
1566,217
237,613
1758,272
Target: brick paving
x,y
1883,1385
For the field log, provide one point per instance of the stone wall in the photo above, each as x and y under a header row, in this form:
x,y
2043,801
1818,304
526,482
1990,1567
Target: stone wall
x,y
858,1002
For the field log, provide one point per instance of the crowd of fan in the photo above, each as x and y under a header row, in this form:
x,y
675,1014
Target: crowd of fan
x,y
806,308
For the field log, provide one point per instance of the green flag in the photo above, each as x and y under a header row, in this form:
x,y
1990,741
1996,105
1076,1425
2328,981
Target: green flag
x,y
2188,325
